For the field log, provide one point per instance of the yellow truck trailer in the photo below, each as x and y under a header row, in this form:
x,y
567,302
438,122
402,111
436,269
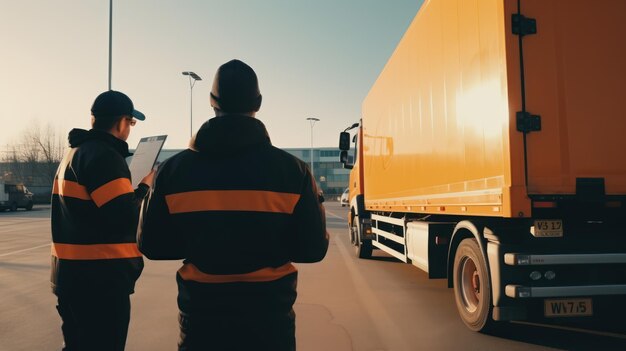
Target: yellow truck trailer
x,y
491,151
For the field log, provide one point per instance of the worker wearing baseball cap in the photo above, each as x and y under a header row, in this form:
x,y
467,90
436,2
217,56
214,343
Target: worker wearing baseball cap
x,y
95,260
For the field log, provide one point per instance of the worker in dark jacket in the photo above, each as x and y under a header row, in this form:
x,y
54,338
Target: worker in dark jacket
x,y
239,211
95,259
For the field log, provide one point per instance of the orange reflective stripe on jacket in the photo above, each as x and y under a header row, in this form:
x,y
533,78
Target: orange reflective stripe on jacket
x,y
95,251
70,189
232,200
111,190
191,272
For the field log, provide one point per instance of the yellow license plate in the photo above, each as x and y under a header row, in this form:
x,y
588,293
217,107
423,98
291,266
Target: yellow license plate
x,y
547,228
568,307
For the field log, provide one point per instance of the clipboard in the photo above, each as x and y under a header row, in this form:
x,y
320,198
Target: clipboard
x,y
144,157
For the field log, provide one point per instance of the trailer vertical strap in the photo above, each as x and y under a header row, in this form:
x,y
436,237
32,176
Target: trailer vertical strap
x,y
526,122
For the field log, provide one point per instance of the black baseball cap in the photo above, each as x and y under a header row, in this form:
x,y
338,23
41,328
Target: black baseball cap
x,y
236,88
113,104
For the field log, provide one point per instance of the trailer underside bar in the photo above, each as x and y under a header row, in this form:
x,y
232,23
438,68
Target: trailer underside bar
x,y
391,220
519,291
390,251
389,236
514,259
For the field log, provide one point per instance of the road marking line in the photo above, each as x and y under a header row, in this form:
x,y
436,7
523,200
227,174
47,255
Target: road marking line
x,y
580,330
7,223
385,326
334,215
24,250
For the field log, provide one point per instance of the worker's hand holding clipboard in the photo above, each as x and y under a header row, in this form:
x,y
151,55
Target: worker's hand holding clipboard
x,y
145,157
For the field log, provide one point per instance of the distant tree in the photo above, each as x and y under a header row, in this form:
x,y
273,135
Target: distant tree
x,y
49,146
13,165
35,155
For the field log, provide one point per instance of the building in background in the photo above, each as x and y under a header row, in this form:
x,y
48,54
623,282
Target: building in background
x,y
329,173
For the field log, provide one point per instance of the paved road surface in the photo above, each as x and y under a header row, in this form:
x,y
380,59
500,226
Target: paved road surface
x,y
343,303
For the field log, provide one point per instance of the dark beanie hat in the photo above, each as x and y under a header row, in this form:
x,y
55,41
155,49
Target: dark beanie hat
x,y
236,88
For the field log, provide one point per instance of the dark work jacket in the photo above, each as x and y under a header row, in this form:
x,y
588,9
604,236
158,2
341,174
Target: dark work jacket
x,y
238,211
94,218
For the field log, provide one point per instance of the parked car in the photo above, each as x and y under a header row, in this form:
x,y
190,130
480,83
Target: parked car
x,y
14,196
344,197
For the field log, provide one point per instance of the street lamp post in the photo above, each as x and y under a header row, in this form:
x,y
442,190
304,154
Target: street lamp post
x,y
110,40
312,121
192,81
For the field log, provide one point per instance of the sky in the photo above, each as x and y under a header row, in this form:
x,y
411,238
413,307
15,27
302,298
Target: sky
x,y
313,58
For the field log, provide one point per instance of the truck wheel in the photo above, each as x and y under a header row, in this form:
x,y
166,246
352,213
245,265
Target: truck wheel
x,y
472,286
363,249
13,207
353,232
29,206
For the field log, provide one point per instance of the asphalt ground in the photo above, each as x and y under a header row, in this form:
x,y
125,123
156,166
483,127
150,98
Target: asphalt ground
x,y
344,303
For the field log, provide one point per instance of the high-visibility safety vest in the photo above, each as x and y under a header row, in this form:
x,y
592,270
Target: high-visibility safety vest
x,y
239,211
94,217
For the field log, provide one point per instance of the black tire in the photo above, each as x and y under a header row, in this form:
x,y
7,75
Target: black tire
x,y
13,207
363,249
472,286
29,206
353,231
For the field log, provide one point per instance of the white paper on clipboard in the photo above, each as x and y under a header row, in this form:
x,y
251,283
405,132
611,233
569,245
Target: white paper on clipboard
x,y
145,157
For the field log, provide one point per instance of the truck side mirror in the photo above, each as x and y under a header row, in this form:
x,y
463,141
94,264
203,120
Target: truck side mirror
x,y
343,157
344,141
